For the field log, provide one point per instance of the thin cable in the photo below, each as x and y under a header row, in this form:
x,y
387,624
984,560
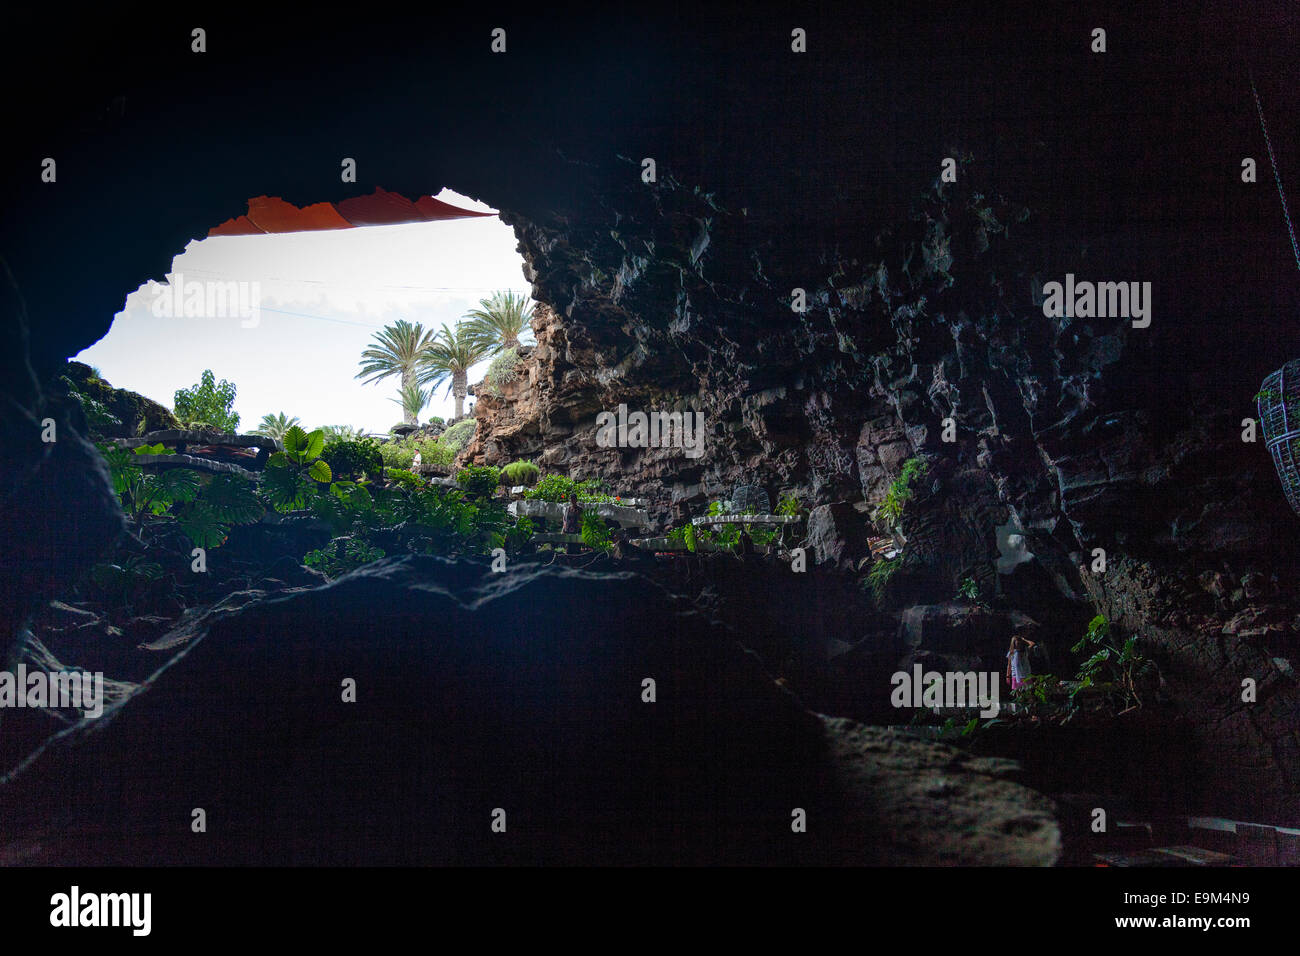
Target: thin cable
x,y
1277,177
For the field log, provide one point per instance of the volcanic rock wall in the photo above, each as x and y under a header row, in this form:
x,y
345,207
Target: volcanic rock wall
x,y
775,172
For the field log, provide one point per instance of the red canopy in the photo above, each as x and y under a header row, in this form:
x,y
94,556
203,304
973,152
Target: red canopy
x,y
268,214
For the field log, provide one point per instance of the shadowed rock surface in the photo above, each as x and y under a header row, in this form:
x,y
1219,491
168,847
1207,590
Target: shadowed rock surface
x,y
477,691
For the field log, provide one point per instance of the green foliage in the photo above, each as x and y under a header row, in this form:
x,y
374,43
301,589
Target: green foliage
x,y
498,322
889,512
204,511
396,350
1120,667
503,370
158,449
208,401
341,555
479,480
274,426
458,436
224,501
789,505
341,433
595,532
401,453
288,478
123,583
353,457
519,473
879,575
558,488
99,419
968,589
412,400
397,454
155,494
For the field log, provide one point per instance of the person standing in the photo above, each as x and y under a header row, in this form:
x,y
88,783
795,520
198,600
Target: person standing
x,y
1018,670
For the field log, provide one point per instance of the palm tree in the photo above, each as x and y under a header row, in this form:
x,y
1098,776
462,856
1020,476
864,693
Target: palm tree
x,y
345,432
412,398
449,360
274,426
399,349
499,321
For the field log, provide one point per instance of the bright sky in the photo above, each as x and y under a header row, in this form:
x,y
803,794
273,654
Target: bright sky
x,y
322,295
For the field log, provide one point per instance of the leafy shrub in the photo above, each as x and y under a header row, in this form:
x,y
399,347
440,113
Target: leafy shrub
x,y
336,432
224,501
879,575
458,436
889,512
479,480
397,454
341,555
401,453
204,512
434,451
1122,667
968,589
595,533
287,479
503,370
559,487
208,401
99,420
789,505
519,473
353,457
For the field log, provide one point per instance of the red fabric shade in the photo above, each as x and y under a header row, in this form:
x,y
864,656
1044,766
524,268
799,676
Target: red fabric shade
x,y
271,214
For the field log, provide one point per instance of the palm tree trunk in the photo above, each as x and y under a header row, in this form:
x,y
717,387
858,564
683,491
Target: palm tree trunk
x,y
511,343
408,379
459,389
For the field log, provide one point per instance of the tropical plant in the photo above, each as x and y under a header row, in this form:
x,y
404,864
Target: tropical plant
x,y
155,494
878,577
968,589
502,370
889,512
99,420
341,555
557,488
458,436
288,478
353,457
448,359
595,532
519,473
224,501
413,400
499,321
203,511
209,401
478,480
274,426
341,432
1121,666
399,349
